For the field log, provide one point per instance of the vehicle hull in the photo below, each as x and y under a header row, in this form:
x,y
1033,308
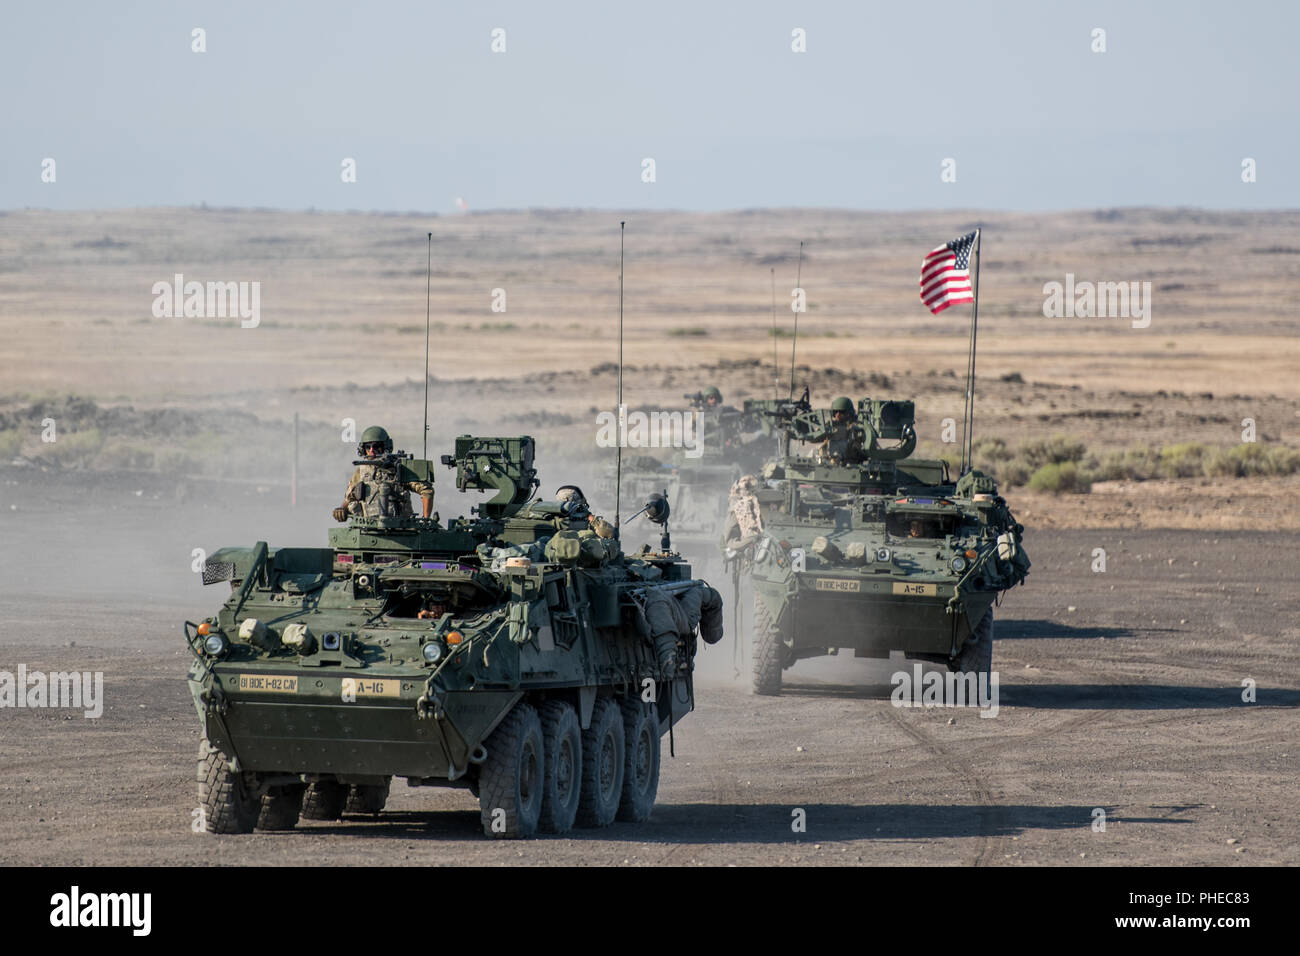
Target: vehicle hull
x,y
868,614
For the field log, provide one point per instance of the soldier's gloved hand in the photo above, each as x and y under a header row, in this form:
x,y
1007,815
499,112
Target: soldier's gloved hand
x,y
340,513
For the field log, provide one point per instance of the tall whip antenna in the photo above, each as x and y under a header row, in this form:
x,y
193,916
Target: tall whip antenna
x,y
428,289
798,286
776,369
622,414
968,423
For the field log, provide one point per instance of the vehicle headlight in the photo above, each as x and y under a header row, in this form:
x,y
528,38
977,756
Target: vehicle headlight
x,y
883,555
215,644
958,564
432,652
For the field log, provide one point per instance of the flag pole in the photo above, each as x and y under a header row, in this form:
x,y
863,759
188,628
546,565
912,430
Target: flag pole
x,y
968,422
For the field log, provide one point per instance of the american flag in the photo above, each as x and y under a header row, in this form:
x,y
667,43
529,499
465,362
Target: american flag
x,y
945,274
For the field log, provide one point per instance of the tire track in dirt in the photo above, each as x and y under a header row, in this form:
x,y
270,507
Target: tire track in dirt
x,y
992,816
724,787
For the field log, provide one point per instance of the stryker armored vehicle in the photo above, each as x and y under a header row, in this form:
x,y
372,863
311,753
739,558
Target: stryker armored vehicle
x,y
696,481
505,652
696,493
855,544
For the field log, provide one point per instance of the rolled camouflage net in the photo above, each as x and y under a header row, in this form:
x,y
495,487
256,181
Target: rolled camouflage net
x,y
672,618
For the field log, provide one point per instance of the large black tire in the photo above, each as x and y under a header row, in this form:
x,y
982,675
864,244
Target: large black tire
x,y
228,805
977,653
368,798
281,807
602,765
324,800
769,652
641,761
562,779
511,778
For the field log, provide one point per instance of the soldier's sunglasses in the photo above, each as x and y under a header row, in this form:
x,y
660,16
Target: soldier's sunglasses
x,y
373,446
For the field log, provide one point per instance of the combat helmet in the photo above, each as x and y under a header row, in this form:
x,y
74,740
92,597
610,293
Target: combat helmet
x,y
373,434
843,404
572,501
712,393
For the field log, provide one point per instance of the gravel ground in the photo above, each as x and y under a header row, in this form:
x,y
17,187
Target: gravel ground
x,y
1120,691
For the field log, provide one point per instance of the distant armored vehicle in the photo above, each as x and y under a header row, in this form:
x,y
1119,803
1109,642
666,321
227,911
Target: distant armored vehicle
x,y
852,543
696,481
512,652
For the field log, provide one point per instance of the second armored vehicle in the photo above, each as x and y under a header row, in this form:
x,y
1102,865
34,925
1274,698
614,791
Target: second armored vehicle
x,y
696,481
853,543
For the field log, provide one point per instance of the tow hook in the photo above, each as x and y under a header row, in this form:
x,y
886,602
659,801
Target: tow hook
x,y
429,704
214,701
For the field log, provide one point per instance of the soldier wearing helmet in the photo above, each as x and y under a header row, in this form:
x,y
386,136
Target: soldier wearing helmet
x,y
376,490
575,513
844,438
705,399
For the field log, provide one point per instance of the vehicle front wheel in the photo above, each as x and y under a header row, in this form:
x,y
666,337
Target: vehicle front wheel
x,y
769,651
229,806
511,778
977,653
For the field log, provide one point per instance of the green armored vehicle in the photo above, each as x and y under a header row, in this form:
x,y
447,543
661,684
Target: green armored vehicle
x,y
514,652
695,482
849,542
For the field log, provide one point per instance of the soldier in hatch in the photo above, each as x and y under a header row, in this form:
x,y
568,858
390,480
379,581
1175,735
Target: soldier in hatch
x,y
722,429
376,491
844,438
577,514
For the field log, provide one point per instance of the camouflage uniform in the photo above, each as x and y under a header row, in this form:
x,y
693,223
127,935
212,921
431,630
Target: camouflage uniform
x,y
844,442
844,437
744,517
383,497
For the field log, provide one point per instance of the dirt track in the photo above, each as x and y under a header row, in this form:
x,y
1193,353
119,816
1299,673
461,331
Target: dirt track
x,y
1130,702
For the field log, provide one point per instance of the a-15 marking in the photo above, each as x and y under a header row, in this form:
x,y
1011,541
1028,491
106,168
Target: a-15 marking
x,y
917,590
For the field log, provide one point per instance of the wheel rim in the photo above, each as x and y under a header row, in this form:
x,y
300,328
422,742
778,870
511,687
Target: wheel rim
x,y
608,764
528,774
644,747
564,770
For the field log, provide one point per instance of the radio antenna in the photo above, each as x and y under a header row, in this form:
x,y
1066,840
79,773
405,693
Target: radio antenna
x,y
798,289
776,368
622,414
428,290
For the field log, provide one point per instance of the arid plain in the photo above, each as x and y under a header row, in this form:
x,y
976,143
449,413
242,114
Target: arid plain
x,y
1121,689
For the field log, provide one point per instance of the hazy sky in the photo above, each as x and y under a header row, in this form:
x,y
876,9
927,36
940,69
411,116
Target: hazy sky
x,y
712,91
